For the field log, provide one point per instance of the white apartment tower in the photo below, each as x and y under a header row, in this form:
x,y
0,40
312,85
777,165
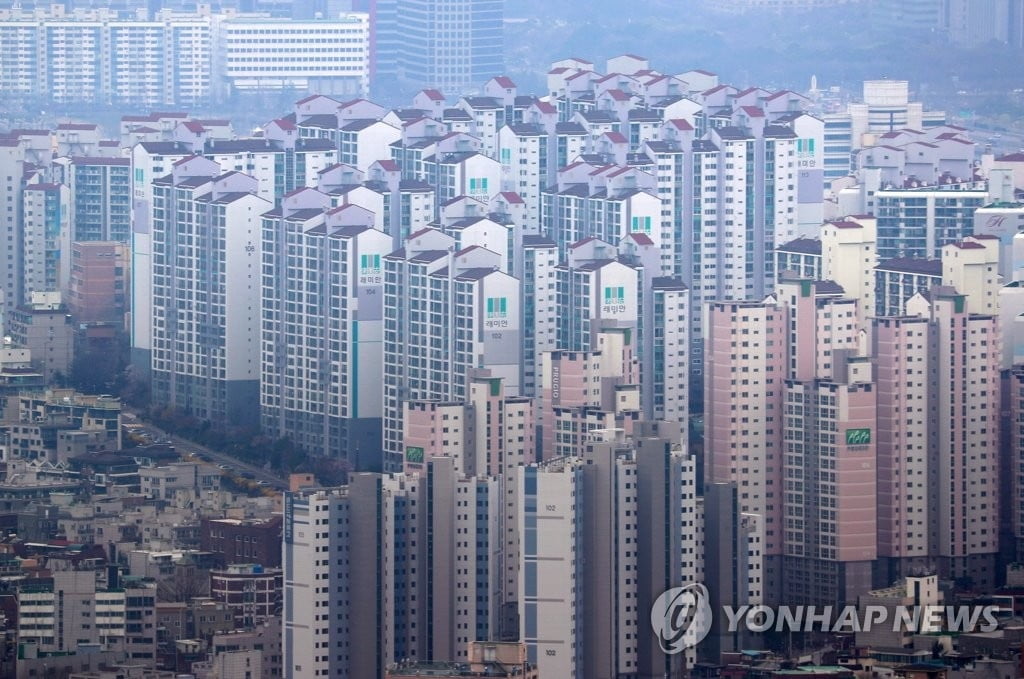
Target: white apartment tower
x,y
206,292
447,314
322,327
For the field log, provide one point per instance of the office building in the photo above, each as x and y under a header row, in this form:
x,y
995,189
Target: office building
x,y
452,46
329,56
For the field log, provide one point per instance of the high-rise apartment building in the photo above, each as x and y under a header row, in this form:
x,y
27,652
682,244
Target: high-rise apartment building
x,y
281,162
322,327
828,462
744,373
46,228
106,56
206,292
447,313
150,160
885,108
100,197
938,391
592,540
418,554
12,178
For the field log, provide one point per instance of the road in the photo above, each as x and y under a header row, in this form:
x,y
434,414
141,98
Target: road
x,y
187,447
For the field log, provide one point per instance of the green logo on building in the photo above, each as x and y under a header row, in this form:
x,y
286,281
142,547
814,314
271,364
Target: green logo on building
x,y
804,147
478,186
414,454
858,437
369,264
497,307
641,225
614,295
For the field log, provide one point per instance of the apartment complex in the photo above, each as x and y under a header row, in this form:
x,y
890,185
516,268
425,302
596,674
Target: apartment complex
x,y
105,56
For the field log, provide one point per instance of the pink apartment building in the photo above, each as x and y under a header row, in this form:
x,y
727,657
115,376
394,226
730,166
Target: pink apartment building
x,y
744,370
586,390
905,351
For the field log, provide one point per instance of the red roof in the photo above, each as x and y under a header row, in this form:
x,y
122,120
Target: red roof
x,y
967,245
77,126
845,225
1012,158
713,90
512,197
617,95
558,71
193,126
633,56
680,124
641,238
433,95
545,107
616,137
388,165
753,111
285,124
505,81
